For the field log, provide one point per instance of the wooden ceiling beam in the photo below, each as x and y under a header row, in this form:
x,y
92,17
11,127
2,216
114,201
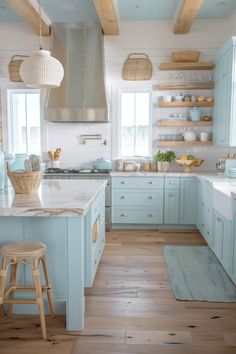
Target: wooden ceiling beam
x,y
187,15
30,15
107,16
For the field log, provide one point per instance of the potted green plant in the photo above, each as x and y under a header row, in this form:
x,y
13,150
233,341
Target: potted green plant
x,y
163,160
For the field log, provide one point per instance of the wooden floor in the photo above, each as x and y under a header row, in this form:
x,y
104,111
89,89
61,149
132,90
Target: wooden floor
x,y
131,309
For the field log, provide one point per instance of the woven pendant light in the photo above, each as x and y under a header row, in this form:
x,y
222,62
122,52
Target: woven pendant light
x,y
41,69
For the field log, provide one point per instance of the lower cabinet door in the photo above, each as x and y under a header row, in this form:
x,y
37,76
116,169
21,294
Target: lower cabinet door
x,y
188,201
137,215
223,241
171,207
218,235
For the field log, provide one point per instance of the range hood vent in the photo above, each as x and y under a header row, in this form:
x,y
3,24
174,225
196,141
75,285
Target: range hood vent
x,y
82,95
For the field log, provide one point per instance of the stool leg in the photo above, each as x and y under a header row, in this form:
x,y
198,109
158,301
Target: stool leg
x,y
3,272
12,283
39,296
49,288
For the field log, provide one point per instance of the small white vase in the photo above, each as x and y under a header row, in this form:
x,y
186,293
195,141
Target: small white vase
x,y
163,166
55,164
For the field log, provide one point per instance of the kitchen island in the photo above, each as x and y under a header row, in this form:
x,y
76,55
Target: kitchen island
x,y
69,217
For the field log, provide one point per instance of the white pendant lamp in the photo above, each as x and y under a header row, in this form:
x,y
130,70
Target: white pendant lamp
x,y
41,70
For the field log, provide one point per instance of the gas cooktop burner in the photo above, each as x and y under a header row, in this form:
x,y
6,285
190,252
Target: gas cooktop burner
x,y
75,171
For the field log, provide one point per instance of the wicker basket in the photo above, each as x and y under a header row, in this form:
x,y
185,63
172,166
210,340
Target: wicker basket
x,y
14,68
137,67
186,56
25,182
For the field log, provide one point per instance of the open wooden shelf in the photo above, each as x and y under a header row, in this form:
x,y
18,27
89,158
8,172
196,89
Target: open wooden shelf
x,y
182,143
187,66
186,104
183,123
187,86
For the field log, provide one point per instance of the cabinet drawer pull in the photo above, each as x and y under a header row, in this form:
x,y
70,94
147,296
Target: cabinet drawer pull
x,y
99,251
208,232
219,219
95,262
151,215
172,182
203,225
150,182
123,197
203,204
123,214
151,197
171,195
123,182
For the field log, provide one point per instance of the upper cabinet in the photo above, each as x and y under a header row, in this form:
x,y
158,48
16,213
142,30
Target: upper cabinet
x,y
225,95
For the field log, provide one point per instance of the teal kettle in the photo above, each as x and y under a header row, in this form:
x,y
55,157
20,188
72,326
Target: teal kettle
x,y
102,165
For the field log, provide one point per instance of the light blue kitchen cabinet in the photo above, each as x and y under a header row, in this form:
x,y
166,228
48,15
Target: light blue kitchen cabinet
x,y
94,238
222,244
137,200
171,206
204,210
188,201
224,117
233,274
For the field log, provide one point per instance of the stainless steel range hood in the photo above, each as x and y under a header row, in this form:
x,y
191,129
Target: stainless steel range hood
x,y
82,95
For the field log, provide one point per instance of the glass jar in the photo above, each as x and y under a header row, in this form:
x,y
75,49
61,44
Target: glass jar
x,y
146,165
153,165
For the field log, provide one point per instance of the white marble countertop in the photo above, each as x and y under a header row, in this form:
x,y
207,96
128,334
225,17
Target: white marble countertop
x,y
220,182
61,198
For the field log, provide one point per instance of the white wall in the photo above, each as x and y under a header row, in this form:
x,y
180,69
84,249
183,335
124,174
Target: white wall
x,y
155,39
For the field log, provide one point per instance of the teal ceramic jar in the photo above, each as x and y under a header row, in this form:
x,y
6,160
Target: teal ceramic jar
x,y
195,114
19,162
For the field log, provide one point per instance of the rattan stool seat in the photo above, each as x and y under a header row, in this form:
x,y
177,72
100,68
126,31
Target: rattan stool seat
x,y
29,254
23,249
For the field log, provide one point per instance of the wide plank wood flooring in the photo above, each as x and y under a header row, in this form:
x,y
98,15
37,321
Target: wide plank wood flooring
x,y
131,309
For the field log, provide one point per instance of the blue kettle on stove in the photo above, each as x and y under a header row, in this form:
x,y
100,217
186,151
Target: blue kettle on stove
x,y
102,165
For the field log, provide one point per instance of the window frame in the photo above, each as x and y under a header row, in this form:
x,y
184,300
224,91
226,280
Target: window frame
x,y
9,123
117,137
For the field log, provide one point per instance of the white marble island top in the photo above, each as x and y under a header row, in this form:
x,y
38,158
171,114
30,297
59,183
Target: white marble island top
x,y
61,198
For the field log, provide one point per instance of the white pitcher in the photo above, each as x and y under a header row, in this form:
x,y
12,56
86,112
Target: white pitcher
x,y
203,136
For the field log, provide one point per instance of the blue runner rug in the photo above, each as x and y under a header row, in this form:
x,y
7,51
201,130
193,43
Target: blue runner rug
x,y
196,274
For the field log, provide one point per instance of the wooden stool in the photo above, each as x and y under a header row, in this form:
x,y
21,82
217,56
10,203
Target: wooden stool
x,y
30,254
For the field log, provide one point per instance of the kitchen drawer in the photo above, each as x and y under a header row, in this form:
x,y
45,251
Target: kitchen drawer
x,y
137,216
171,182
138,182
134,198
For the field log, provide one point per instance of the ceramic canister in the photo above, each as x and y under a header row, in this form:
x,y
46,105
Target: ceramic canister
x,y
195,114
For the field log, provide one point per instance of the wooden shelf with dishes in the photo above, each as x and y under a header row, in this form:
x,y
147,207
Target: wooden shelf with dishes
x,y
187,86
187,66
183,123
185,104
182,143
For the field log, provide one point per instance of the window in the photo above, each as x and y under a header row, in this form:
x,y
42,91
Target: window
x,y
135,124
24,121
